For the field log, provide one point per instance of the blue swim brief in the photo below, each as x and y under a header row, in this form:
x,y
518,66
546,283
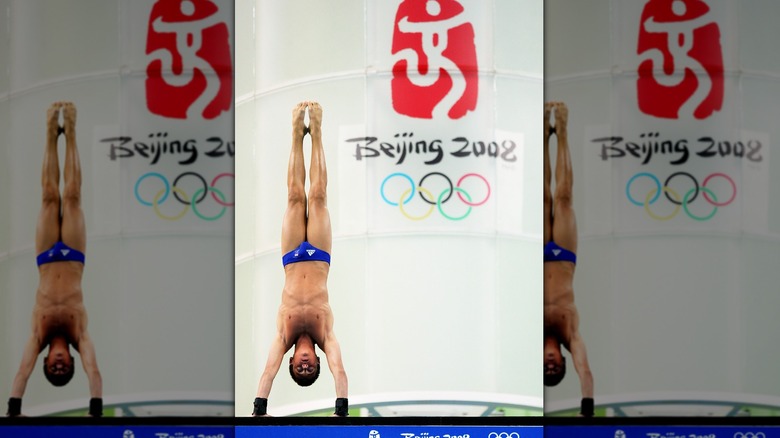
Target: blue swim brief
x,y
60,253
554,253
305,253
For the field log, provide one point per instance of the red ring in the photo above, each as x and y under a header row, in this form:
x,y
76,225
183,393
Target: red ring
x,y
474,204
214,181
733,186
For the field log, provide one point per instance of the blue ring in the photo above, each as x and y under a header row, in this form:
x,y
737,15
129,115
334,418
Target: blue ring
x,y
164,180
408,178
649,175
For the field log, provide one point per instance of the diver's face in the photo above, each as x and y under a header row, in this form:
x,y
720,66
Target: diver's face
x,y
304,361
59,362
553,359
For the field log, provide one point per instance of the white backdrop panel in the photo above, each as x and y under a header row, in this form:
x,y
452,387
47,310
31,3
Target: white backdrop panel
x,y
407,295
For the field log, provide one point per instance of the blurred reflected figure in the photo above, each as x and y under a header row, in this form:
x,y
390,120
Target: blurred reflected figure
x,y
59,318
561,320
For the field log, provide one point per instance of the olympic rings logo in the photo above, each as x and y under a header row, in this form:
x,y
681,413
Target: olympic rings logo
x,y
161,195
395,195
503,435
685,200
749,435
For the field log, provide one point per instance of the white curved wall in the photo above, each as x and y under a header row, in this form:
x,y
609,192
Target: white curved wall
x,y
682,306
435,307
159,300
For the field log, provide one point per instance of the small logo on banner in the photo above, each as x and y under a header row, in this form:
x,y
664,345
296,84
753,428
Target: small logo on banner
x,y
620,434
435,199
682,195
190,72
681,67
435,72
154,189
373,434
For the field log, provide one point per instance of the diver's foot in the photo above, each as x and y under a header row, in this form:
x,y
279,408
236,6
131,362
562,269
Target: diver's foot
x,y
53,129
561,118
299,127
315,118
548,131
69,118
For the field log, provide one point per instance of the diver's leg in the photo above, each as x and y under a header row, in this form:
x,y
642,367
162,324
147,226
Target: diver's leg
x,y
74,233
47,230
319,228
294,222
564,224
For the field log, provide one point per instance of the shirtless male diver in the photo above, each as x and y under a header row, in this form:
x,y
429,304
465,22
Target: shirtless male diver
x,y
305,318
561,320
59,318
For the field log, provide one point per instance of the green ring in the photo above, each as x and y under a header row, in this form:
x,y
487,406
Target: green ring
x,y
218,215
457,189
700,218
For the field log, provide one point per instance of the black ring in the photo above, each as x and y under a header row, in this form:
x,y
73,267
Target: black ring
x,y
205,187
695,182
452,190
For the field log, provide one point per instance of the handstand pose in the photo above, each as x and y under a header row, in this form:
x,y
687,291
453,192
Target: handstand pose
x,y
305,318
59,318
561,320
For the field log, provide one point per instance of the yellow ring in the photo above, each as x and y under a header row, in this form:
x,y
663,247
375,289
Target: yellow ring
x,y
666,189
156,205
401,204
